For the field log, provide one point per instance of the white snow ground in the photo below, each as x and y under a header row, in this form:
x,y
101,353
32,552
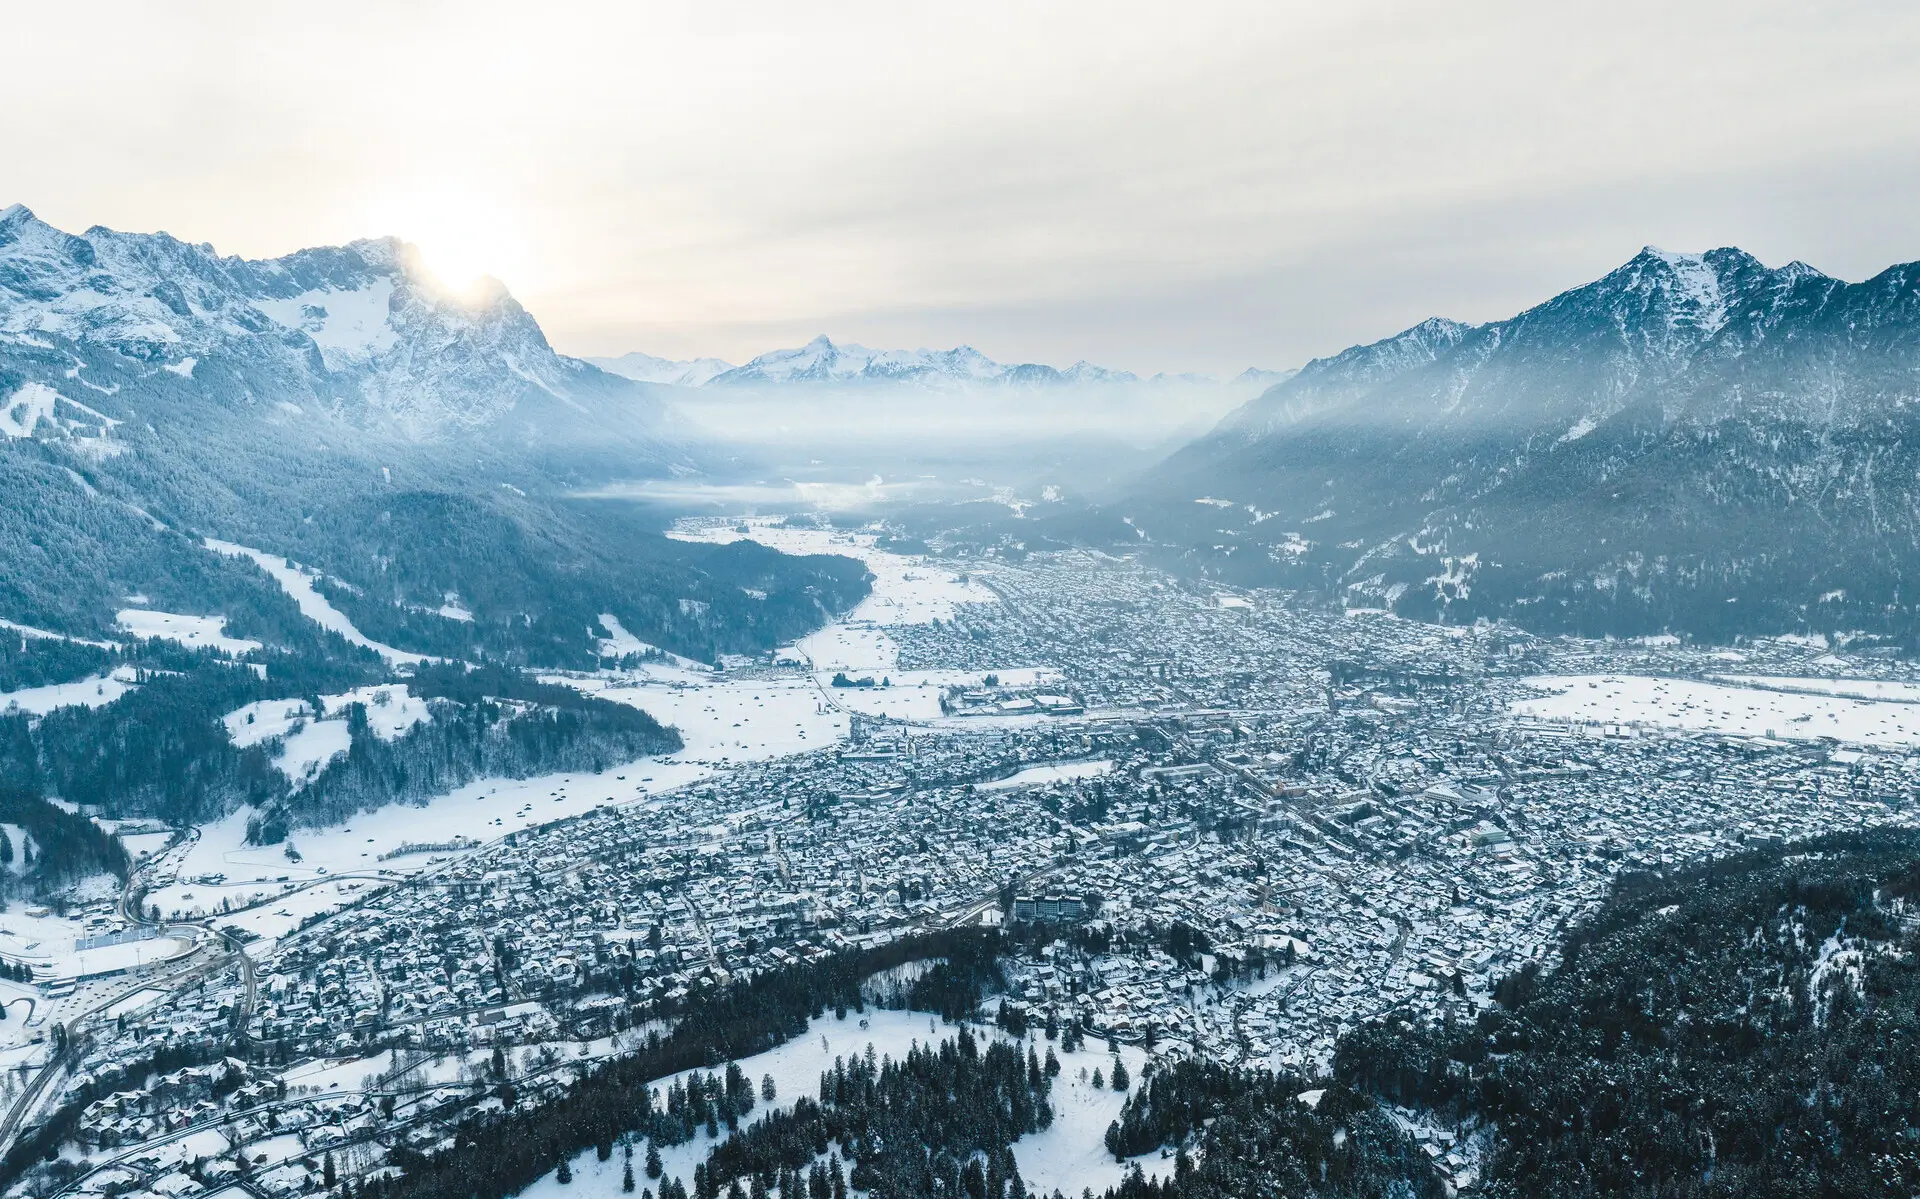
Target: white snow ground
x,y
298,584
94,691
1034,776
309,743
1069,1155
194,632
1722,708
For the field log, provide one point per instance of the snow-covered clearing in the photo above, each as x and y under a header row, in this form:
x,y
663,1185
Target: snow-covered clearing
x,y
618,643
308,744
1852,688
304,753
26,408
194,632
1070,1155
1034,776
915,694
906,589
725,720
391,711
1721,708
95,691
1840,961
298,584
348,326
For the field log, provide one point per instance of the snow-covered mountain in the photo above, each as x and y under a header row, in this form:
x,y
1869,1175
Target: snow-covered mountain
x,y
1695,441
822,362
337,408
645,368
358,335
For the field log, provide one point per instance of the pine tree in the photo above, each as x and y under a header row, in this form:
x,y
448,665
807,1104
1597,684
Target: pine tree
x,y
653,1160
564,1174
626,1178
1119,1075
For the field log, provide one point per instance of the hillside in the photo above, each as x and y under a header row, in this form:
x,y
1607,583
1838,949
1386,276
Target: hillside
x,y
1742,1028
336,406
1693,443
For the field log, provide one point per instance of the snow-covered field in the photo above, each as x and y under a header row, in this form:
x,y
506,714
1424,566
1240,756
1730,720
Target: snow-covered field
x,y
915,694
722,720
1034,776
194,632
93,692
298,584
906,590
1854,688
1722,707
1070,1155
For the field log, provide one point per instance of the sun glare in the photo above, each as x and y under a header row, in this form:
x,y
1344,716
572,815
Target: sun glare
x,y
464,237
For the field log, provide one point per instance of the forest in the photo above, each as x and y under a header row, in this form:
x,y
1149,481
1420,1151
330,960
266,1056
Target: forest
x,y
479,737
919,1126
162,751
1743,1028
1239,1132
501,1158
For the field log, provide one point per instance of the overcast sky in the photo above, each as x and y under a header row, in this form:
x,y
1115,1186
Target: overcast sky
x,y
1177,186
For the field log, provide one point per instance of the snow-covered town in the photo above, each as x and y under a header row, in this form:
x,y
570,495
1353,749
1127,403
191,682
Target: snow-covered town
x,y
1206,823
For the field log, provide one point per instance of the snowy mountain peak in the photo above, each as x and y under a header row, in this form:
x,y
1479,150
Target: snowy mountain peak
x,y
822,361
361,331
1651,331
645,368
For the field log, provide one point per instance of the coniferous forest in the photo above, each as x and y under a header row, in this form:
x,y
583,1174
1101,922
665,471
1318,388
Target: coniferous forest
x,y
1746,1028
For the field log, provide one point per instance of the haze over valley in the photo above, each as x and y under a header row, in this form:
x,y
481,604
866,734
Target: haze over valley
x,y
919,603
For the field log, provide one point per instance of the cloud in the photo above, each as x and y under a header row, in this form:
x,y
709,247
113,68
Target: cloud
x,y
1204,186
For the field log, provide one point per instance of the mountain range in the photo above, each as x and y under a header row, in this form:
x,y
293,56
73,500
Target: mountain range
x,y
336,406
349,338
1692,443
821,362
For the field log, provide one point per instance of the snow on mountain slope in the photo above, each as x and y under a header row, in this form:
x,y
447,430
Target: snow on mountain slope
x,y
645,368
351,327
1693,442
825,362
821,361
359,333
1663,328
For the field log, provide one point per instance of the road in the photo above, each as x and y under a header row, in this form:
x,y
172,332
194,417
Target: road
x,y
72,1033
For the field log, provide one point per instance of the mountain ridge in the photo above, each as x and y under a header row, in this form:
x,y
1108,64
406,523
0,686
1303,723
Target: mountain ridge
x,y
361,333
1692,442
337,407
824,362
